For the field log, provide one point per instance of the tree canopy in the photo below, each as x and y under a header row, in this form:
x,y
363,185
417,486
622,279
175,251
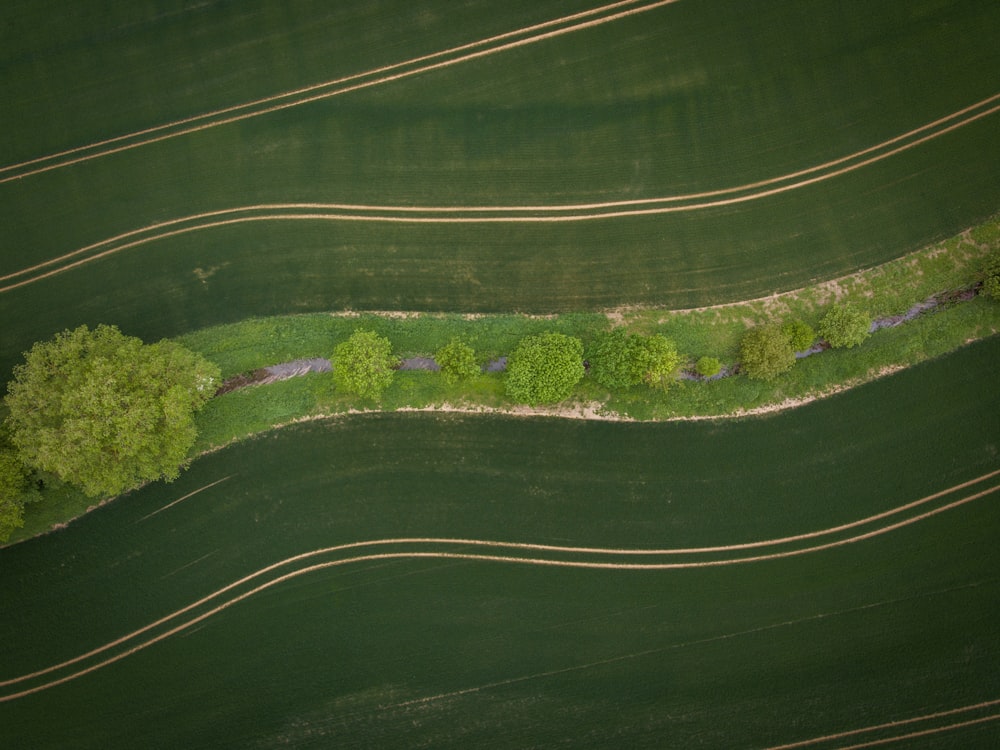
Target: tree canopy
x,y
991,276
364,364
766,352
621,360
800,334
543,368
457,361
105,412
845,326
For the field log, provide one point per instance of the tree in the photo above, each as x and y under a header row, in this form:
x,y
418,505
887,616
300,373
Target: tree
x,y
543,369
622,360
766,352
991,276
800,334
707,366
845,326
15,492
617,359
660,361
457,361
364,364
106,412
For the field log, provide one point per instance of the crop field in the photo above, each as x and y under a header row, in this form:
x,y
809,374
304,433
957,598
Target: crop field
x,y
822,577
422,580
211,163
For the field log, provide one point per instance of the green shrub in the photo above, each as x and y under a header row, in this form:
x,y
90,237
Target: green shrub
x,y
616,360
991,276
800,334
708,366
543,369
364,364
845,326
766,352
457,361
660,361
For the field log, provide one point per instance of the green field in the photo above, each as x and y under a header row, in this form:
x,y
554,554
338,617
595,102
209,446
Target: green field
x,y
176,165
453,652
674,101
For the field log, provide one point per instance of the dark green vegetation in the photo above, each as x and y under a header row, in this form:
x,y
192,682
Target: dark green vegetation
x,y
463,653
364,364
744,95
543,369
105,412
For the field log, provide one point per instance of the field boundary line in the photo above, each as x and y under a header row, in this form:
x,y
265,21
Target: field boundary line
x,y
445,214
437,554
336,82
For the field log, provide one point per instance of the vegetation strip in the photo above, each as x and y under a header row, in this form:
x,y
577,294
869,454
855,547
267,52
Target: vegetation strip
x,y
522,214
446,550
317,92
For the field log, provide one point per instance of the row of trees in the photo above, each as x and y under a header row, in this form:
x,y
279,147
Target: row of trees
x,y
769,350
105,412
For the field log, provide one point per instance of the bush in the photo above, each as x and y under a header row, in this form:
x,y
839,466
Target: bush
x,y
364,364
991,276
800,334
457,361
708,366
104,411
766,352
543,369
660,361
616,361
845,326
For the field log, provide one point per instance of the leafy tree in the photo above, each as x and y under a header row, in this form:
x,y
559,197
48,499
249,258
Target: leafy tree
x,y
364,364
457,361
622,360
799,333
617,359
15,491
543,369
660,361
991,276
845,326
106,412
766,352
708,366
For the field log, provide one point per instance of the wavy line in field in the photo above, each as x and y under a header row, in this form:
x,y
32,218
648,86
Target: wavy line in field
x,y
898,724
446,214
464,544
317,91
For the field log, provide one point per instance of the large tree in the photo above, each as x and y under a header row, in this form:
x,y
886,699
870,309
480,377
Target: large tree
x,y
364,364
543,369
106,412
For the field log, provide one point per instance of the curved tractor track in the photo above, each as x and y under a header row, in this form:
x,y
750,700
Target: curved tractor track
x,y
487,551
